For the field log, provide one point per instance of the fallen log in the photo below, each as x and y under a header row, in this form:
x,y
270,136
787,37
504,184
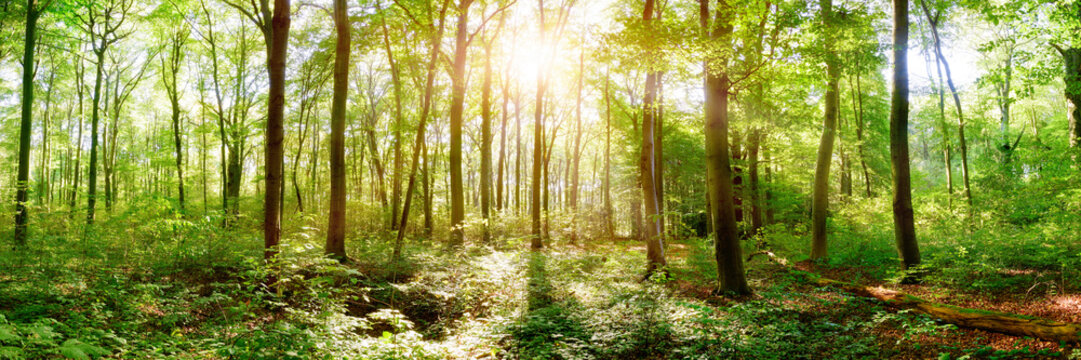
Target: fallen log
x,y
1000,322
993,321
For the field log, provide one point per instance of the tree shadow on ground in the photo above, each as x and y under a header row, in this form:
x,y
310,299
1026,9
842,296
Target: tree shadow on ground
x,y
548,327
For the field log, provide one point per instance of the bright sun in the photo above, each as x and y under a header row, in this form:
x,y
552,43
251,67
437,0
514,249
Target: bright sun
x,y
526,58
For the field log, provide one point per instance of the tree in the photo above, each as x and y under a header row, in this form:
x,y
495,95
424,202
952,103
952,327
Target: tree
x,y
336,227
102,23
22,181
727,251
648,163
934,20
903,220
457,102
829,131
275,29
436,29
1067,15
170,65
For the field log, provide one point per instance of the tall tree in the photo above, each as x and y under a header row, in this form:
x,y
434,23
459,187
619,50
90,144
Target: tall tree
x,y
457,102
820,201
934,20
436,29
903,220
648,162
22,181
336,228
1067,15
102,23
275,29
170,65
718,29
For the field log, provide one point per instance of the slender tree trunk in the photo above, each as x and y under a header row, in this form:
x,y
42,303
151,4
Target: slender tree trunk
x,y
43,182
457,102
486,144
77,169
957,104
336,228
426,104
500,201
768,203
756,186
658,150
577,149
396,181
170,68
648,166
537,241
22,214
607,195
905,231
820,204
277,50
857,97
427,193
92,182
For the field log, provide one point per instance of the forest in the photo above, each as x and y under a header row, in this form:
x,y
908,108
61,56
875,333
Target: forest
x,y
540,179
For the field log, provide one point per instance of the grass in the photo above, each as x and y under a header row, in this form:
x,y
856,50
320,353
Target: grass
x,y
147,284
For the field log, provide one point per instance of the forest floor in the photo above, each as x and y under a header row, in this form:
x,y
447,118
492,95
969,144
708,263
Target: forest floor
x,y
565,302
188,290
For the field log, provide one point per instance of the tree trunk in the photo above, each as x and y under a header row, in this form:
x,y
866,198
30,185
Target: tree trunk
x,y
648,166
756,186
396,181
537,242
22,214
170,68
457,102
1072,78
486,144
607,188
277,49
904,231
957,103
418,145
92,177
1006,323
572,195
728,253
335,247
820,202
500,201
857,97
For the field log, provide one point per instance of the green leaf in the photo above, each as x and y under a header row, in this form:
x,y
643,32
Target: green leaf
x,y
75,349
11,352
8,334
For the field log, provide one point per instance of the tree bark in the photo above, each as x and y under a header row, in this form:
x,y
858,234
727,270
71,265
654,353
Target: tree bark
x,y
648,166
457,102
572,196
335,247
22,214
418,145
956,101
820,204
727,250
904,227
170,68
1006,323
277,50
486,144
